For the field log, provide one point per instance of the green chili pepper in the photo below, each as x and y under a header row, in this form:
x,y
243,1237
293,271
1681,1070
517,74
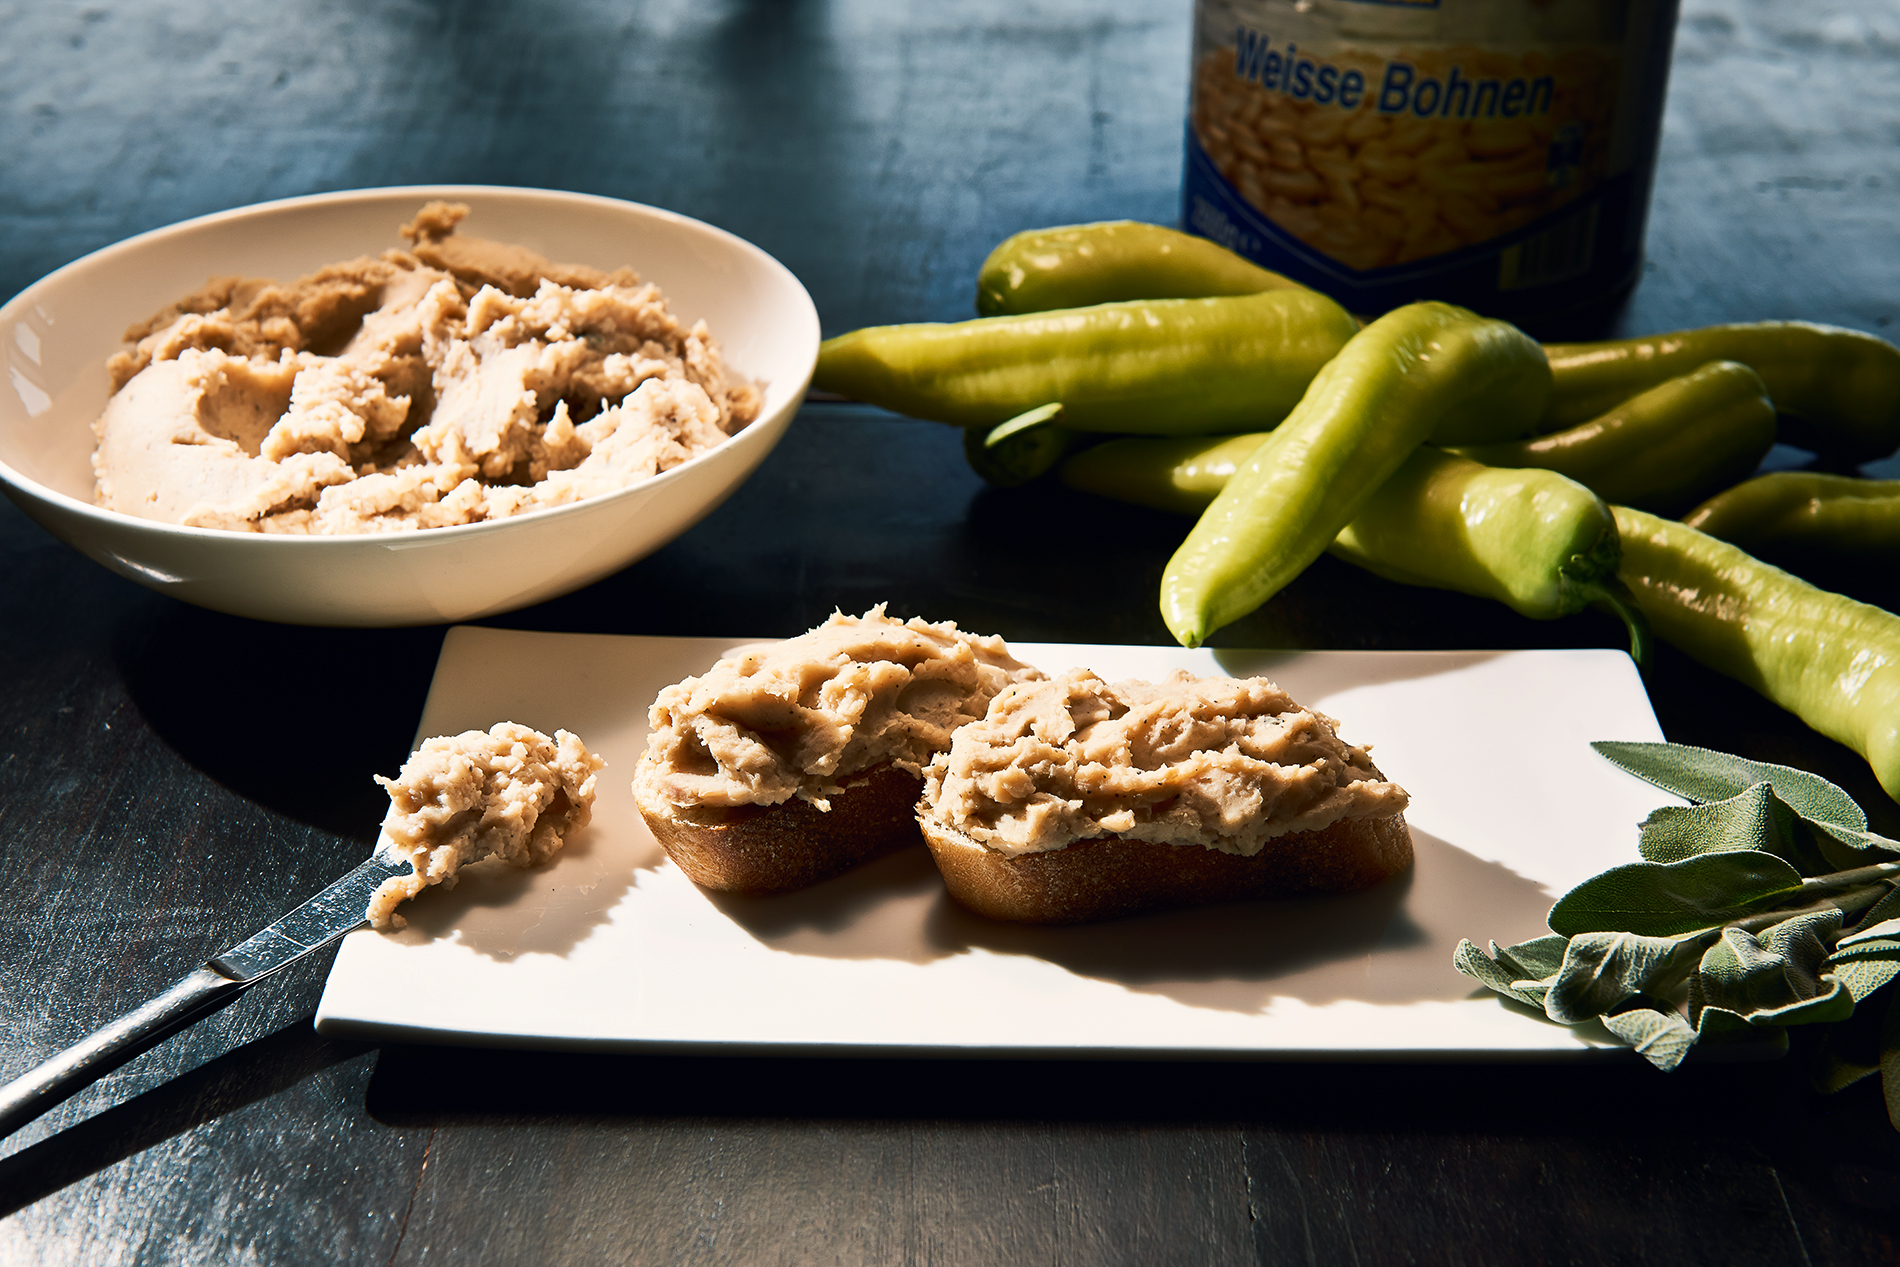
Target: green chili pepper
x,y
1538,542
1831,661
1076,265
1663,450
1153,366
1788,513
1177,473
1424,371
1841,386
1020,450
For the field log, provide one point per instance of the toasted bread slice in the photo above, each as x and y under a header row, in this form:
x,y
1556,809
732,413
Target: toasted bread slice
x,y
1079,799
1110,876
763,849
788,762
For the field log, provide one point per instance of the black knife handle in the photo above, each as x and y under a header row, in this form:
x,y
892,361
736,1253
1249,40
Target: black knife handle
x,y
105,1049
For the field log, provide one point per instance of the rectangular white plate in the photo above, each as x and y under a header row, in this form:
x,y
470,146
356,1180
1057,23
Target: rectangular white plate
x,y
611,947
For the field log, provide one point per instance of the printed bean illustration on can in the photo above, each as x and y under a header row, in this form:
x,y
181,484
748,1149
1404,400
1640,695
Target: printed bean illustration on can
x,y
1492,153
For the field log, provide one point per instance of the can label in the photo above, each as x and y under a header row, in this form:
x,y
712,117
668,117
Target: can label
x,y
1493,153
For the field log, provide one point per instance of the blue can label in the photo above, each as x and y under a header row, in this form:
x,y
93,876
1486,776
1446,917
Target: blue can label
x,y
1497,156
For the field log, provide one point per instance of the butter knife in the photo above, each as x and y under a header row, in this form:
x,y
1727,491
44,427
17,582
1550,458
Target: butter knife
x,y
337,910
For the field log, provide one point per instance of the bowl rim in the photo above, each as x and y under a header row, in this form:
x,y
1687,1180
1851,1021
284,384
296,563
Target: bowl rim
x,y
70,505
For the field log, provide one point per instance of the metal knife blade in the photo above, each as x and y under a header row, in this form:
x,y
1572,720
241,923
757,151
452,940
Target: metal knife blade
x,y
338,909
318,922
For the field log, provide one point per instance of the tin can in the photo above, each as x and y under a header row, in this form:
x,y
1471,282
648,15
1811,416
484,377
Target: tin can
x,y
1496,154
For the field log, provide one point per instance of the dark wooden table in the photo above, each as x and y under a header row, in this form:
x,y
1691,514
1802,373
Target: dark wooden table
x,y
157,802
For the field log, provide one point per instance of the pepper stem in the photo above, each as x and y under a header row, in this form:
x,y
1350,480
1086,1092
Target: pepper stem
x,y
1610,592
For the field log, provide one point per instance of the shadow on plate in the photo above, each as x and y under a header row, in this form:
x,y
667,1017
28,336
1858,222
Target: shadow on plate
x,y
876,911
1389,944
504,912
1315,679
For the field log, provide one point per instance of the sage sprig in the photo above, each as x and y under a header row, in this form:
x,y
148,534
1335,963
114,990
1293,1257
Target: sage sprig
x,y
1764,904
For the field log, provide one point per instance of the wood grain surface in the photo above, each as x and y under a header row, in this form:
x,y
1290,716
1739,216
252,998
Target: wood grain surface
x,y
171,779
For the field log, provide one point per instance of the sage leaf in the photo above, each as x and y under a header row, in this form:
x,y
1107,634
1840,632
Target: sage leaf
x,y
1861,977
1877,948
1885,929
1659,1035
1601,970
1835,1002
1719,910
1890,1058
1474,963
1755,818
1837,1074
1848,1051
1777,977
1535,960
1719,1025
1658,899
1703,775
1846,848
1885,909
1713,1023
1854,891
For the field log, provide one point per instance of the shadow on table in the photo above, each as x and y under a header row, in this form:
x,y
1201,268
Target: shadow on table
x,y
295,719
1611,1095
256,1071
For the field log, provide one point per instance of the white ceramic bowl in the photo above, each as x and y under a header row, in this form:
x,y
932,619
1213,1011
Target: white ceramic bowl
x,y
58,333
